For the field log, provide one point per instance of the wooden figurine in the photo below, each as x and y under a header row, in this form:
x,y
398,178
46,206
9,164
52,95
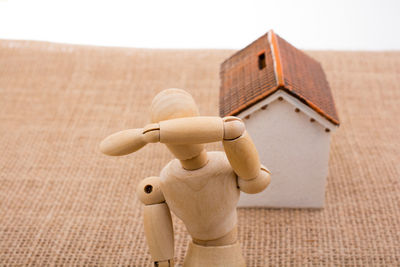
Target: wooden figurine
x,y
285,101
201,188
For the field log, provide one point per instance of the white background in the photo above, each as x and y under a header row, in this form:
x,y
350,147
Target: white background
x,y
307,24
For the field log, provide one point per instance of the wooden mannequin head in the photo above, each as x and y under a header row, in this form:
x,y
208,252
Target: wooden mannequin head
x,y
177,103
172,104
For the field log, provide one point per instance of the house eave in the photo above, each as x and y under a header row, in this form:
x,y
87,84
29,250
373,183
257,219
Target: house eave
x,y
327,124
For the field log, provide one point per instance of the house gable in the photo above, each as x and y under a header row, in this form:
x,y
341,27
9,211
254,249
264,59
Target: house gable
x,y
298,106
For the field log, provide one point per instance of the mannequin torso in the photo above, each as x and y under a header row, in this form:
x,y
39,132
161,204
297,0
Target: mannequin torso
x,y
204,199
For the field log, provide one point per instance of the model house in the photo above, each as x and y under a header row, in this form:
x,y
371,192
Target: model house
x,y
284,99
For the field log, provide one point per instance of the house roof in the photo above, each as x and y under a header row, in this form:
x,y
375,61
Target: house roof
x,y
270,64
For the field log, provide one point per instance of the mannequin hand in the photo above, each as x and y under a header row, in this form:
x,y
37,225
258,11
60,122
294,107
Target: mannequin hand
x,y
123,142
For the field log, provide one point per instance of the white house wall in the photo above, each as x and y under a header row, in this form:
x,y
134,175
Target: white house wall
x,y
294,149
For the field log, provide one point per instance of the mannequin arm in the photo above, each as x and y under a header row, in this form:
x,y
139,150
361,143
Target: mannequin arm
x,y
243,157
157,222
182,131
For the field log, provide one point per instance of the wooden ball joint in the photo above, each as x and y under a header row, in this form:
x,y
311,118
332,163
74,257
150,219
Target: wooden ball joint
x,y
201,188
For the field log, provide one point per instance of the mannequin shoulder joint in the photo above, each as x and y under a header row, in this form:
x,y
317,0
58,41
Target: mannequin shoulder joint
x,y
149,191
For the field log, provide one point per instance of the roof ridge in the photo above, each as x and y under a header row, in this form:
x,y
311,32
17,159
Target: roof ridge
x,y
276,59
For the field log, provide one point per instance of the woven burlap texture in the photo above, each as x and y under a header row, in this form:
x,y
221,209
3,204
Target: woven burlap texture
x,y
64,203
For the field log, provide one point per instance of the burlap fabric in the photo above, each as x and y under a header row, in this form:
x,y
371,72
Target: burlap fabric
x,y
63,203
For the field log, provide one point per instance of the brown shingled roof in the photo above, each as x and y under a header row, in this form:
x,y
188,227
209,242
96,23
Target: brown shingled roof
x,y
270,64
